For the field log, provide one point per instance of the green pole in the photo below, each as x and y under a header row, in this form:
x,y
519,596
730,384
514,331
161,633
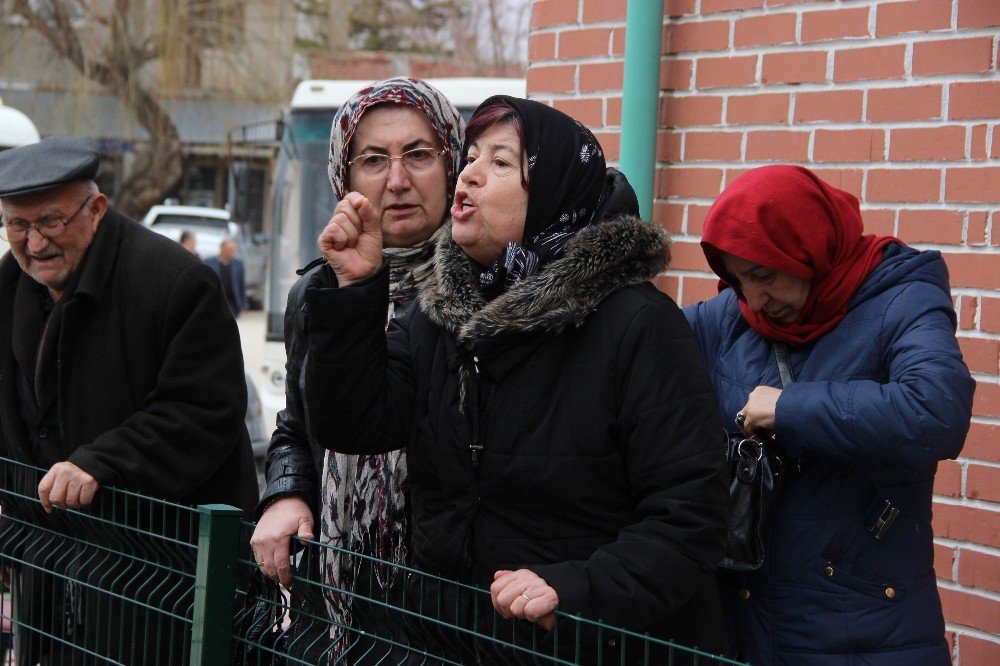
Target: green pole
x,y
215,584
640,98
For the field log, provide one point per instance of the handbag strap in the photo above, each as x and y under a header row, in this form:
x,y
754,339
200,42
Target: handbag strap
x,y
784,360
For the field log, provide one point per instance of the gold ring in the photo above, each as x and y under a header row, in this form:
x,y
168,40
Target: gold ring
x,y
526,597
260,564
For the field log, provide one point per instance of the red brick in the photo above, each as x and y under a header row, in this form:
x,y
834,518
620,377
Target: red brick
x,y
697,289
950,56
914,103
777,146
595,11
870,62
584,42
944,561
971,610
716,146
968,307
977,145
880,221
948,480
927,143
975,651
691,111
557,78
975,184
970,101
668,146
715,6
696,218
726,72
590,112
974,270
978,14
781,3
794,67
601,76
861,145
950,637
687,182
548,13
931,226
610,144
835,24
984,482
668,284
675,74
981,444
849,180
966,523
893,18
687,255
765,109
986,402
677,8
699,36
764,30
618,41
976,227
990,321
670,216
904,185
835,105
613,114
542,46
981,355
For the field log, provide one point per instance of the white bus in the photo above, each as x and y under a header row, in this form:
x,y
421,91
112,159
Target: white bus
x,y
302,200
16,129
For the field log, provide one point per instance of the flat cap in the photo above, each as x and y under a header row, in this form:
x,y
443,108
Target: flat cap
x,y
48,164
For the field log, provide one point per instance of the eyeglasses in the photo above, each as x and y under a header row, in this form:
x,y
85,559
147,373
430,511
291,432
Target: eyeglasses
x,y
414,161
48,227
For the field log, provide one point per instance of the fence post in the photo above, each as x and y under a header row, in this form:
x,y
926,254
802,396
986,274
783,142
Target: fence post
x,y
215,584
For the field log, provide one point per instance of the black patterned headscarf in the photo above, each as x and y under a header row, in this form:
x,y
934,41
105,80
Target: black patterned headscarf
x,y
566,175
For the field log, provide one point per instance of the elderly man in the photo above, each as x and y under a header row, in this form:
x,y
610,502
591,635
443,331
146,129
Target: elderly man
x,y
119,365
232,274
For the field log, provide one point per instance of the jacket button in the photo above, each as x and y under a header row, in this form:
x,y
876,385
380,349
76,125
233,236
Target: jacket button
x,y
744,594
828,571
889,592
612,642
43,433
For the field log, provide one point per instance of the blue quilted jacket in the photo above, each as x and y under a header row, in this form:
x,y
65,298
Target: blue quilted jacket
x,y
876,403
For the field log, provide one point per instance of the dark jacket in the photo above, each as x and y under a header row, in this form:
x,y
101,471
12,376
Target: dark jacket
x,y
599,466
151,391
236,295
876,403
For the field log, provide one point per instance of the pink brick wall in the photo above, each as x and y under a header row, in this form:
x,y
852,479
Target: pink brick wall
x,y
896,101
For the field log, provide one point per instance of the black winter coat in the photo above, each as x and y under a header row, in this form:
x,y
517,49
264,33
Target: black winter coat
x,y
152,395
568,427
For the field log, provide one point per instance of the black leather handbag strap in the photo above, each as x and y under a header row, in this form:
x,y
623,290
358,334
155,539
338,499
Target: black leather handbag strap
x,y
784,360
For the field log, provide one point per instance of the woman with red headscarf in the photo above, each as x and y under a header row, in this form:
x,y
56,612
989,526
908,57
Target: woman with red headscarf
x,y
880,395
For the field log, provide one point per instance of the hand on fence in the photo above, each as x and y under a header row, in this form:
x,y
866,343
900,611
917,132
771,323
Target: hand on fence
x,y
66,486
272,538
352,239
759,411
524,594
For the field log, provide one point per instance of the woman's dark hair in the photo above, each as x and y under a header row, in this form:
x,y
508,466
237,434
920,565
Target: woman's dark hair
x,y
497,113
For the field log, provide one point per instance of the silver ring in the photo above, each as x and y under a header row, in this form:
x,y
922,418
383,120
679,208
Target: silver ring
x,y
741,418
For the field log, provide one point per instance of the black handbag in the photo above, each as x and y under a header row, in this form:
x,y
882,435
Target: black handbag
x,y
756,470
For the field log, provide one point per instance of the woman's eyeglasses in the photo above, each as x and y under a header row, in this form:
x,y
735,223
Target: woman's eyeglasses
x,y
414,161
49,227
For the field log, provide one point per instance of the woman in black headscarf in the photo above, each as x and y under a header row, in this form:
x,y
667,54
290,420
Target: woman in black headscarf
x,y
562,430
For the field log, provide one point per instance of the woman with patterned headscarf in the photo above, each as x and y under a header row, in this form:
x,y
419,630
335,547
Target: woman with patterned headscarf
x,y
561,427
398,144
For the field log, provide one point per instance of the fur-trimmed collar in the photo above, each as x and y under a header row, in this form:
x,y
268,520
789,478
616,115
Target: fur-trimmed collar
x,y
604,257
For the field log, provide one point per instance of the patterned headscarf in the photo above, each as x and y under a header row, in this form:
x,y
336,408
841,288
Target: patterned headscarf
x,y
444,117
566,175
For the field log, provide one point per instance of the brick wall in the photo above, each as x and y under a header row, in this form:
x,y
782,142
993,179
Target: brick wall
x,y
896,101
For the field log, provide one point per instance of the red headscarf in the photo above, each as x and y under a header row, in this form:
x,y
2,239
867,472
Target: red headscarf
x,y
785,218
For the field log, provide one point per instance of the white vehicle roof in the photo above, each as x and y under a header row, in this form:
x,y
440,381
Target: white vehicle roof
x,y
16,129
464,92
202,211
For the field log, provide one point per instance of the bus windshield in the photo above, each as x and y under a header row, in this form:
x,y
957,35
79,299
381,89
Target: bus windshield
x,y
303,203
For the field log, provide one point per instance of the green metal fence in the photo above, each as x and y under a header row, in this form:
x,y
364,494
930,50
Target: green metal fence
x,y
134,580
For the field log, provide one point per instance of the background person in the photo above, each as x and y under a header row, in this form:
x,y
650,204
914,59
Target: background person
x,y
232,274
562,434
880,396
397,143
189,241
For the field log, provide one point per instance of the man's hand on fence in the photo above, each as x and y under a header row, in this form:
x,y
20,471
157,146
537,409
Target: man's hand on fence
x,y
271,540
66,486
524,594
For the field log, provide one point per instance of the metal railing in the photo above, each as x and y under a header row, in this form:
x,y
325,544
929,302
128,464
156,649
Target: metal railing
x,y
136,580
